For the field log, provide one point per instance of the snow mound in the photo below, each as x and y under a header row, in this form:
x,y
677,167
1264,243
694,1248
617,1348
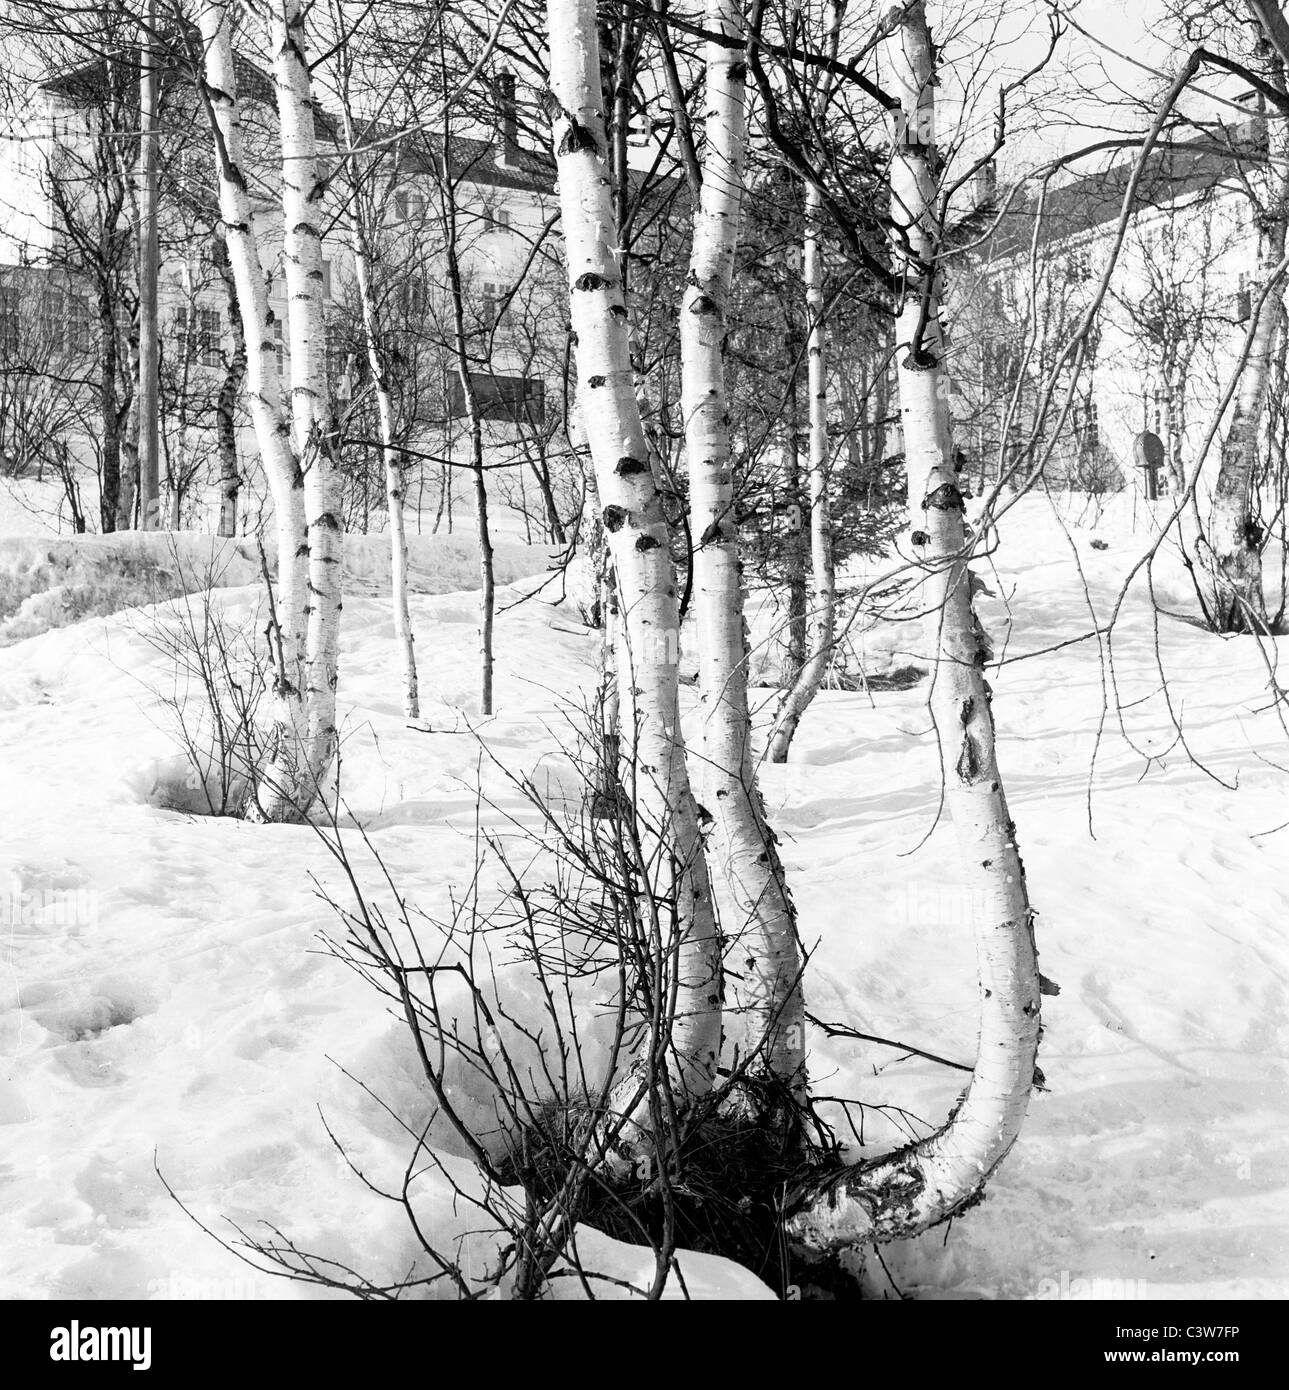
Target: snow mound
x,y
47,583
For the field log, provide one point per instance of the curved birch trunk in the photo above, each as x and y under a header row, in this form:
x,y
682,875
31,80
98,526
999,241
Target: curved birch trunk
x,y
819,642
654,773
904,1192
760,925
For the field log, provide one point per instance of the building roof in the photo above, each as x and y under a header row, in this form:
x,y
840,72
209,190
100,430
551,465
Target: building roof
x,y
118,73
494,162
1094,200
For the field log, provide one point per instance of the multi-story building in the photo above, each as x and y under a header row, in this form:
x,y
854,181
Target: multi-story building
x,y
1169,332
68,279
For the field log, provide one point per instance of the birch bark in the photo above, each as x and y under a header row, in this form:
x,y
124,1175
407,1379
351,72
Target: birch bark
x,y
913,1188
1235,598
761,929
653,752
821,622
390,452
282,782
302,213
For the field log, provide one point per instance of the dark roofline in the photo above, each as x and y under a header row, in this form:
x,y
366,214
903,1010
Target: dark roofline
x,y
1095,200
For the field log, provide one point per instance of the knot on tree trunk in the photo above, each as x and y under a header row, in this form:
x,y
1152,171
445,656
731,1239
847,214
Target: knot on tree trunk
x,y
945,498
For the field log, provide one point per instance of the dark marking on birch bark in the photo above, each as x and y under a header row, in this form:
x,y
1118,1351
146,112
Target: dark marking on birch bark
x,y
921,538
595,381
614,518
704,304
969,760
945,498
577,138
626,466
618,311
647,542
590,281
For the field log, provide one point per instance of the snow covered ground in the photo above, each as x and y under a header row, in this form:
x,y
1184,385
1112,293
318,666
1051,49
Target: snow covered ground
x,y
163,1003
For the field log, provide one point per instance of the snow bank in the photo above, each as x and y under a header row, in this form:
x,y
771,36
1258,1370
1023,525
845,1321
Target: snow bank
x,y
52,582
162,990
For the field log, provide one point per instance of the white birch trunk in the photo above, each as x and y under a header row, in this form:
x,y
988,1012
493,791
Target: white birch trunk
x,y
302,214
1235,596
390,452
147,389
276,792
653,753
821,621
907,1191
759,924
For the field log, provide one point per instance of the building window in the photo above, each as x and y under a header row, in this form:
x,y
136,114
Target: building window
x,y
8,319
200,334
80,331
1243,305
516,399
409,206
416,298
51,311
494,305
337,360
1091,426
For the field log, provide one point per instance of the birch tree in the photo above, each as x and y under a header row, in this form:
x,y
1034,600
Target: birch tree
x,y
813,670
767,997
912,1188
1235,598
654,772
291,440
363,199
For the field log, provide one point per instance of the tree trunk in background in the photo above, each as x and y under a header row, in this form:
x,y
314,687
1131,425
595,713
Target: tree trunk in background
x,y
127,487
474,432
823,594
230,389
915,1187
390,452
760,926
148,389
794,657
820,620
653,750
109,416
